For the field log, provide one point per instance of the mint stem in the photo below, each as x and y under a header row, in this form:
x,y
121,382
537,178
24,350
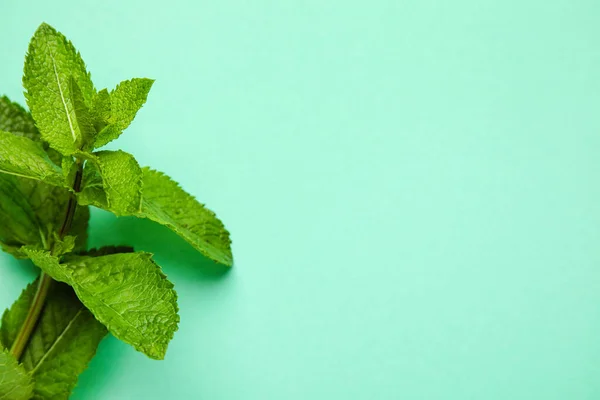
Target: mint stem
x,y
32,316
39,300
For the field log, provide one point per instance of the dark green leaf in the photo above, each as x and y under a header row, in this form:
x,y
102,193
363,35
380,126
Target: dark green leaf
x,y
62,344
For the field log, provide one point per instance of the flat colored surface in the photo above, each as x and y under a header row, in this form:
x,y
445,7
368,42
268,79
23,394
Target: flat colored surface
x,y
412,187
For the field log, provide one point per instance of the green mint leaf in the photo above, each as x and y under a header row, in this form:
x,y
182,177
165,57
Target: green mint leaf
x,y
62,344
15,382
125,101
64,245
49,263
128,293
79,227
165,202
12,318
121,189
31,211
101,109
29,204
49,65
13,250
15,119
68,166
18,221
92,188
82,115
23,157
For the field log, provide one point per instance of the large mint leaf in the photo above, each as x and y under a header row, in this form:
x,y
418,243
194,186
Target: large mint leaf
x,y
23,157
125,101
113,180
165,202
15,383
49,65
62,344
128,293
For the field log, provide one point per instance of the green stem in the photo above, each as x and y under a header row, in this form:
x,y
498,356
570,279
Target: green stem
x,y
37,305
32,316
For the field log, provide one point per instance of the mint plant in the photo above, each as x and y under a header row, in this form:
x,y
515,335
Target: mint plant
x,y
50,173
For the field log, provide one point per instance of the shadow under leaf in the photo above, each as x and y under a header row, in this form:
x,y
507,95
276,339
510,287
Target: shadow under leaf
x,y
144,235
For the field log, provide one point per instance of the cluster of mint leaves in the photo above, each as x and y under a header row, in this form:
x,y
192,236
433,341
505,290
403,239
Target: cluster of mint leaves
x,y
50,174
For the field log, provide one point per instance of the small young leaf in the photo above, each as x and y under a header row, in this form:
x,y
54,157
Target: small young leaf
x,y
125,101
121,176
23,157
101,109
128,293
92,188
15,383
62,344
64,245
82,115
50,62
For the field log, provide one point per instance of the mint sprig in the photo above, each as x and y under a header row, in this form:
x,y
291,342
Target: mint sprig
x,y
50,173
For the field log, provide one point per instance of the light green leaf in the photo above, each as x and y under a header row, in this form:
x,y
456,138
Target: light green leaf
x,y
15,383
128,293
67,165
49,64
64,245
23,157
49,263
121,188
165,202
62,344
125,101
101,109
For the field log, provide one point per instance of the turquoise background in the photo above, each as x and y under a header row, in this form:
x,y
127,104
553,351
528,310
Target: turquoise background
x,y
411,187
